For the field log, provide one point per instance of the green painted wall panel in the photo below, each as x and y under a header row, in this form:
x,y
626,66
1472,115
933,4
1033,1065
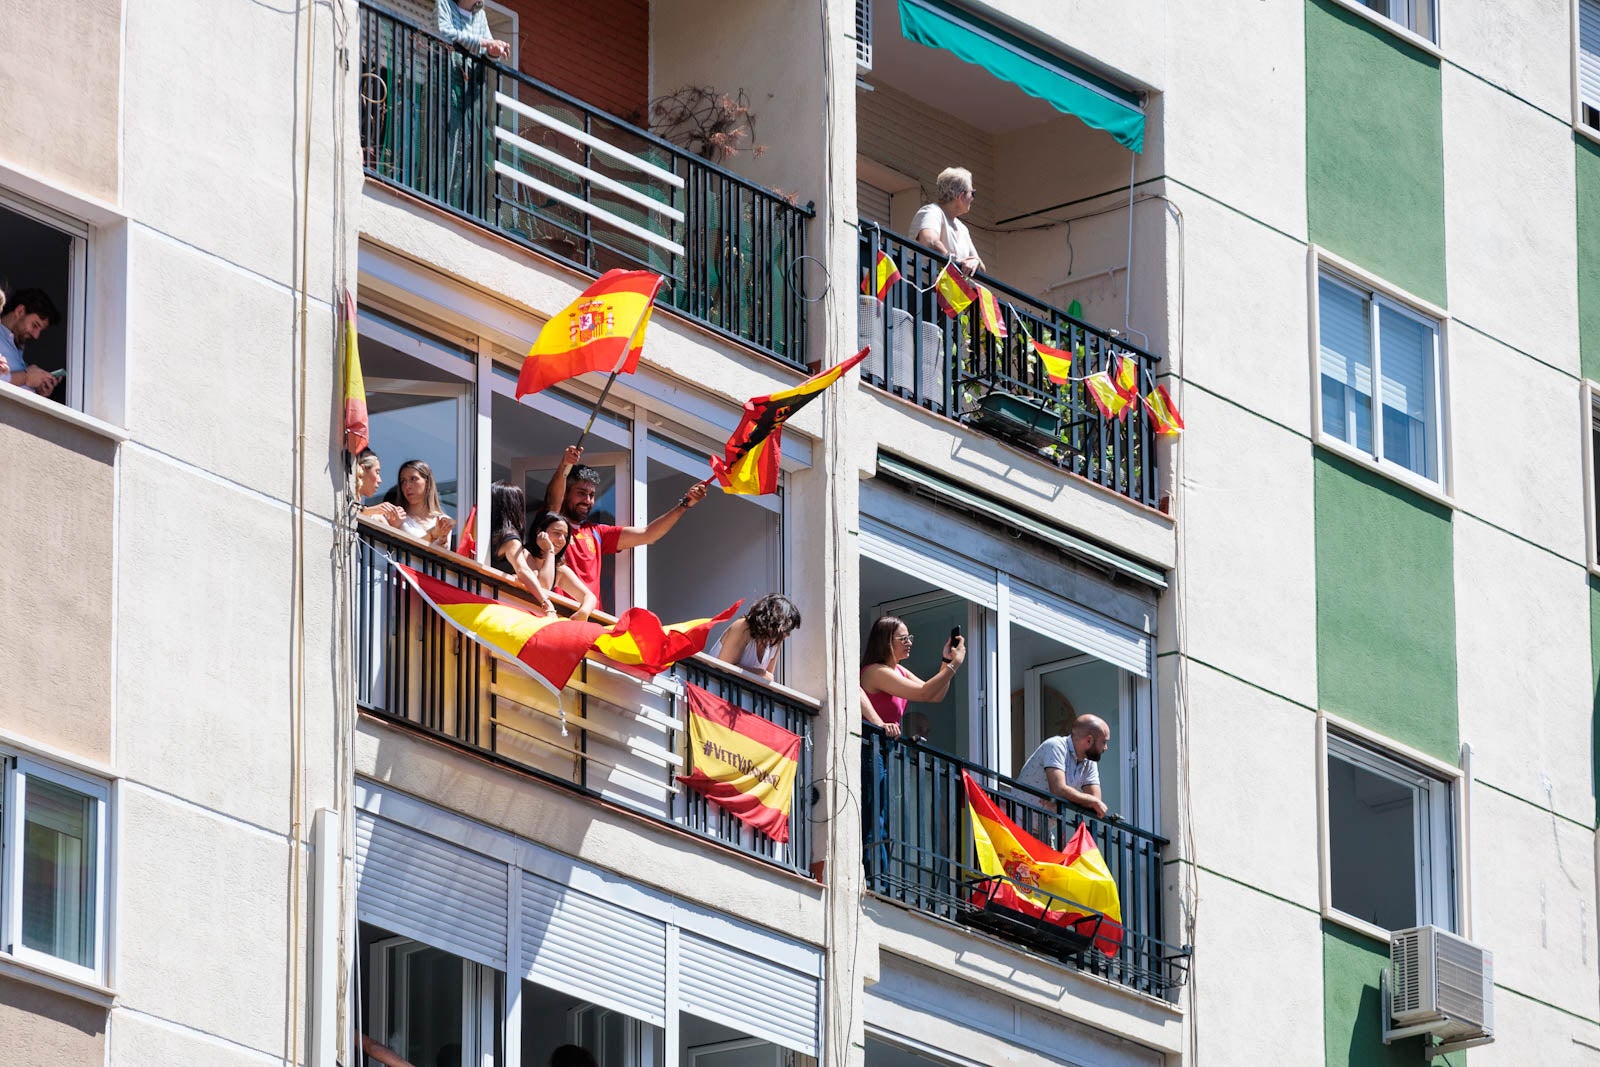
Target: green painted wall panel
x,y
1386,645
1588,176
1374,150
1352,1015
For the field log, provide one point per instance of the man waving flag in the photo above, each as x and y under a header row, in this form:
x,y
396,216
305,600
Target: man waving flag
x,y
750,464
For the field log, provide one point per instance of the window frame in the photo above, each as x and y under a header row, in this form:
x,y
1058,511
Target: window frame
x,y
1448,824
1430,45
1381,295
1580,122
19,768
1590,393
75,305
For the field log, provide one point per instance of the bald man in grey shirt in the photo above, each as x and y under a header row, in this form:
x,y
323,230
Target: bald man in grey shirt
x,y
1067,766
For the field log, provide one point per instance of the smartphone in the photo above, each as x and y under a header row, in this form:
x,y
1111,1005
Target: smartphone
x,y
955,637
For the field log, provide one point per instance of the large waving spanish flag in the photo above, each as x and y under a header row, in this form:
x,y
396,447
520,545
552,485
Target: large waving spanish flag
x,y
1071,888
745,763
641,644
355,387
601,330
547,649
750,462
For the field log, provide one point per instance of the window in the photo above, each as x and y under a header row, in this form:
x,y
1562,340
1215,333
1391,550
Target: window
x,y
1591,463
1365,337
1589,63
53,883
45,252
1391,839
1418,16
427,1005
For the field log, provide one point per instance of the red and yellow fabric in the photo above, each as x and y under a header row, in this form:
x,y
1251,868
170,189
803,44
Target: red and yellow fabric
x,y
1057,361
884,275
547,649
355,387
1112,401
1071,888
468,544
749,465
1158,402
1127,378
989,311
955,292
742,762
641,644
601,330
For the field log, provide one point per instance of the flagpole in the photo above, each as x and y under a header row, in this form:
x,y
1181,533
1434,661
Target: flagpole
x,y
634,336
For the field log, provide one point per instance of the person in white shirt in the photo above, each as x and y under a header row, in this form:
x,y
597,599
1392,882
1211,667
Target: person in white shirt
x,y
27,316
939,225
1067,766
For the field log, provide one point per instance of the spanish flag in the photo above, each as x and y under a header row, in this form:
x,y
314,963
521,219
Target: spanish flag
x,y
1128,377
742,762
989,311
601,330
355,387
1057,361
644,646
884,274
1165,413
547,649
1111,400
1071,888
468,544
750,463
955,292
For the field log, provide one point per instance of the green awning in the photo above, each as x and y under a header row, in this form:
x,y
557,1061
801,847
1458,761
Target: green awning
x,y
1030,68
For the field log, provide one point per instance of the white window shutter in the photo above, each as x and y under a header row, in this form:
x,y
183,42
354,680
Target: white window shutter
x,y
1589,52
931,563
1056,617
594,949
1344,344
748,993
1406,363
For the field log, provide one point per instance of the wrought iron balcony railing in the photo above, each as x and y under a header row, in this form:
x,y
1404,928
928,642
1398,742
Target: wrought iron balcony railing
x,y
610,736
547,170
918,850
956,368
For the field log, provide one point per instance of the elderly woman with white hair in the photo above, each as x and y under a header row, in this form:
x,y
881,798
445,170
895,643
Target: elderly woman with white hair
x,y
939,225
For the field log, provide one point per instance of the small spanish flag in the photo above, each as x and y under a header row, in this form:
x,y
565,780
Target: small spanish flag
x,y
749,465
742,762
1057,361
547,649
1164,412
1071,888
468,544
884,274
641,644
956,293
601,330
355,387
1112,401
1127,377
989,311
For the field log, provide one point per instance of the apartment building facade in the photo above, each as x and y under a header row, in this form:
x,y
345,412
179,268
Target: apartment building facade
x,y
271,809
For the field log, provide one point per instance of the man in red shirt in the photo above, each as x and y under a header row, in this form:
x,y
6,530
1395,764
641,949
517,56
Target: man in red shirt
x,y
572,491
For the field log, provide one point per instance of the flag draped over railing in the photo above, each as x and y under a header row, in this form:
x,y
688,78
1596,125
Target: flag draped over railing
x,y
1072,888
641,644
744,763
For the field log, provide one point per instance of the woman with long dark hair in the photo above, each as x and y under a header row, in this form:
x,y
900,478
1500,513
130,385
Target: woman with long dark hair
x,y
507,508
752,642
550,535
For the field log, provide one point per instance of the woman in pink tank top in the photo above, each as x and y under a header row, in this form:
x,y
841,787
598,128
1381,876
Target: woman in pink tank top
x,y
887,687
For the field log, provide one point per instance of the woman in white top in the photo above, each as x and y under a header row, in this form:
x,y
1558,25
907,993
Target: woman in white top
x,y
418,498
939,226
752,642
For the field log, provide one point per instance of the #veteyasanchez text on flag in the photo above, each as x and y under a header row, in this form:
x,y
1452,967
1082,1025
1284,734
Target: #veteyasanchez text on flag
x,y
1072,888
743,762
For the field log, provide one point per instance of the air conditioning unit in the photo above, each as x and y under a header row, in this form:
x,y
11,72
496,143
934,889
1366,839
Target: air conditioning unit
x,y
863,36
1438,985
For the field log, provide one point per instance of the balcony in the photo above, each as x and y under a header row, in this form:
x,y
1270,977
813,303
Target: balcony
x,y
504,150
610,737
919,853
955,368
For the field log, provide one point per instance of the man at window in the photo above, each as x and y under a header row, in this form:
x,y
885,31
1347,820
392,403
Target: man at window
x,y
939,225
572,492
1067,766
27,316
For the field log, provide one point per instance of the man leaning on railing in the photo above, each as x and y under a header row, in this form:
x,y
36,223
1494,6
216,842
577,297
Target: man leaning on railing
x,y
1068,765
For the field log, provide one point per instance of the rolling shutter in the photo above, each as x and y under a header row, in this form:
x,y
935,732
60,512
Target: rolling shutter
x,y
1589,52
593,949
748,993
425,888
1043,612
927,561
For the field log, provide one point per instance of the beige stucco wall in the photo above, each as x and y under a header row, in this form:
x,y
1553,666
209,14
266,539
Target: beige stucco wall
x,y
39,1028
58,684
60,75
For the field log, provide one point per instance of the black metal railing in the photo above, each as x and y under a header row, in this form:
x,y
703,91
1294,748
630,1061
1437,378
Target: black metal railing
x,y
555,174
918,850
414,669
957,368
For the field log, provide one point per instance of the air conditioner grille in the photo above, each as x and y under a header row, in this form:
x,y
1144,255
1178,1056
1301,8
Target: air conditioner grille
x,y
1459,973
864,34
1405,959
